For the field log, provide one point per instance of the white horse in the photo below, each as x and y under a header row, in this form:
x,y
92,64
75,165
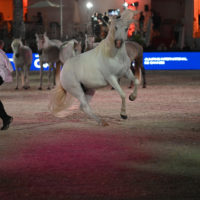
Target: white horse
x,y
22,58
48,53
97,68
135,53
90,43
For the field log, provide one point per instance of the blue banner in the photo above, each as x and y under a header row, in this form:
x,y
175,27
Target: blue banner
x,y
152,61
35,63
172,60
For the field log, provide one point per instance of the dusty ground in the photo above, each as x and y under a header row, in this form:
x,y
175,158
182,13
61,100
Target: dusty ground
x,y
154,154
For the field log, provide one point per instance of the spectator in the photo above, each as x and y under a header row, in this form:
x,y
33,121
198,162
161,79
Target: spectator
x,y
141,22
5,76
39,18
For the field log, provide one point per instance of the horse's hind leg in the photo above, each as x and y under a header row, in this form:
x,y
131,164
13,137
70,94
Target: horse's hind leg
x,y
17,78
26,78
49,75
57,73
80,95
89,93
41,75
143,76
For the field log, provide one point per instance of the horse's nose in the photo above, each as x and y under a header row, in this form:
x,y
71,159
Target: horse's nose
x,y
118,43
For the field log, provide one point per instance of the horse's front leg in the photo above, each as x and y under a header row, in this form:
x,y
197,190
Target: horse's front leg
x,y
131,77
57,73
113,81
49,75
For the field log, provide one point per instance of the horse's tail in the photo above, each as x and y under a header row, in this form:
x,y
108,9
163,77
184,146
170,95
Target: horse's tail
x,y
59,101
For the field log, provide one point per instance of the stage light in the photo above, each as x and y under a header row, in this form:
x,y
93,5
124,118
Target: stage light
x,y
89,5
125,4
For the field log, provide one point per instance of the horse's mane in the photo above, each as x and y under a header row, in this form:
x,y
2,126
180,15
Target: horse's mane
x,y
106,45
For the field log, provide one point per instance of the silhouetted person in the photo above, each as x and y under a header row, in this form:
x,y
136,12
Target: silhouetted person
x,y
39,18
141,22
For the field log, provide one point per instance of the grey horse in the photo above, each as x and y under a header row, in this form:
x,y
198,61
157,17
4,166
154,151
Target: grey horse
x,y
55,52
22,58
48,53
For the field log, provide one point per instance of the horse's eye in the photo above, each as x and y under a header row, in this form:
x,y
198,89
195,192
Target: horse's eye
x,y
126,29
116,28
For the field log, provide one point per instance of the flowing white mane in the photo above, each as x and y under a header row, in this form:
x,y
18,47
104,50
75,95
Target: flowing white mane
x,y
106,46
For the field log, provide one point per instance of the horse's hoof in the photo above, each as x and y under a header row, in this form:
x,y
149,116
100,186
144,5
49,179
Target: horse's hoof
x,y
16,88
104,123
26,87
123,116
48,88
144,86
39,88
132,98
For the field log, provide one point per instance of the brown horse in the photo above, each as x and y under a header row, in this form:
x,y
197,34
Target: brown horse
x,y
135,53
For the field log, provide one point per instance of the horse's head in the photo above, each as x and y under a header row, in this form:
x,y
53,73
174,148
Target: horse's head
x,y
15,45
89,42
41,40
119,27
77,47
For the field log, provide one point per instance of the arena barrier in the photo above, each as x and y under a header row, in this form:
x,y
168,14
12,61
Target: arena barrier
x,y
152,61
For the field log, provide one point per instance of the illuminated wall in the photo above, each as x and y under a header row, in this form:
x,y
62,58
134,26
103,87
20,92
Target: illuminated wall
x,y
6,7
196,31
140,7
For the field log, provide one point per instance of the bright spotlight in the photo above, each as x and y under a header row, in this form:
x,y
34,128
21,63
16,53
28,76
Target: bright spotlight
x,y
89,5
125,4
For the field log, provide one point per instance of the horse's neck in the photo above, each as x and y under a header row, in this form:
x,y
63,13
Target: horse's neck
x,y
112,51
48,43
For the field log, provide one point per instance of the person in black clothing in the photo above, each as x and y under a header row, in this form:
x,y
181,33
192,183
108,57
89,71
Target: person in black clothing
x,y
141,22
39,18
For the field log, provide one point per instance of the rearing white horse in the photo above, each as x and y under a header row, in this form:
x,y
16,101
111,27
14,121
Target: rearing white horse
x,y
97,68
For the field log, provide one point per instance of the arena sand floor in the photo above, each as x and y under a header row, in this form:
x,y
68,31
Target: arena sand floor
x,y
154,154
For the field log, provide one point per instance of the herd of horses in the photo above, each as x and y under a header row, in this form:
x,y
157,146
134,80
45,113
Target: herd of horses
x,y
79,72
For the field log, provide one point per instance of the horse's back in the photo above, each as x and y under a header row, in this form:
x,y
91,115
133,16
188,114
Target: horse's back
x,y
84,69
57,43
134,49
26,53
51,53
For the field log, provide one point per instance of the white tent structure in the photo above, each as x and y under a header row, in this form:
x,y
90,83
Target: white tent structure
x,y
46,4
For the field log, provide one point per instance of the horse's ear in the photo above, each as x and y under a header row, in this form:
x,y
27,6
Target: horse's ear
x,y
45,33
36,35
